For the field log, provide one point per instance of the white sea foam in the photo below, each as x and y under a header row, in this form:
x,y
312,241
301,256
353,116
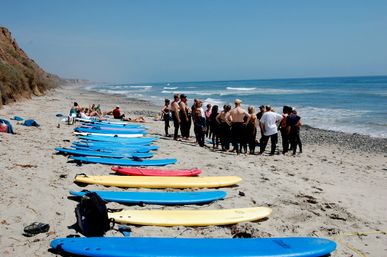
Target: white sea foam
x,y
170,88
141,87
266,91
343,120
213,101
241,88
203,93
112,92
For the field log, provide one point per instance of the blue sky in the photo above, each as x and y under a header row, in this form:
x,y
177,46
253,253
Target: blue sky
x,y
165,41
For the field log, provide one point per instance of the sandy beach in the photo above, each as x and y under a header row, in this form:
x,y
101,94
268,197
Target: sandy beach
x,y
337,188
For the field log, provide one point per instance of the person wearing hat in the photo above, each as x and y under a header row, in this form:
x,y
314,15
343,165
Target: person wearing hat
x,y
262,109
117,113
238,121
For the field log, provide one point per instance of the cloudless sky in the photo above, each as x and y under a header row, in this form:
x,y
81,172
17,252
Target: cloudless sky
x,y
163,41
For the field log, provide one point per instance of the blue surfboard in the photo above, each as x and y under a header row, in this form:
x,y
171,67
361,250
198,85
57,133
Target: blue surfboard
x,y
120,143
112,150
107,143
111,123
142,140
192,247
97,120
101,124
107,127
112,145
161,198
123,162
102,131
80,152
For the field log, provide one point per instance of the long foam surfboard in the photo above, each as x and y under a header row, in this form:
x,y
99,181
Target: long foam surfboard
x,y
112,123
195,247
123,162
112,145
102,121
103,154
107,125
156,172
108,135
161,198
190,217
114,148
160,182
143,140
126,131
110,128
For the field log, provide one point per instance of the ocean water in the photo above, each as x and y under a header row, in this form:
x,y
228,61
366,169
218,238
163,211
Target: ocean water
x,y
347,104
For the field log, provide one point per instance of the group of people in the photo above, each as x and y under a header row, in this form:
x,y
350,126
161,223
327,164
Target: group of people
x,y
235,126
95,111
86,112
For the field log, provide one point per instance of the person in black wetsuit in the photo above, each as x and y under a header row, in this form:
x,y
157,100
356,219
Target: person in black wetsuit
x,y
251,130
236,118
294,122
185,118
214,126
199,122
175,110
283,127
166,116
224,127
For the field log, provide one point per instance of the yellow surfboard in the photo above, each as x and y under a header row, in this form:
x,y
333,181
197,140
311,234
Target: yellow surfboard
x,y
159,182
189,217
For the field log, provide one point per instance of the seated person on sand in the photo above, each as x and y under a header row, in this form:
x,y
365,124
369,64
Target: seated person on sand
x,y
74,110
96,108
117,115
88,113
136,119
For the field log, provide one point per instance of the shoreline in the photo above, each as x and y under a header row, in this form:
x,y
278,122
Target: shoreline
x,y
314,135
331,190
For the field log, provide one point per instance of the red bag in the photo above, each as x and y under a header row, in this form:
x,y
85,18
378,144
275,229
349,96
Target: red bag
x,y
3,127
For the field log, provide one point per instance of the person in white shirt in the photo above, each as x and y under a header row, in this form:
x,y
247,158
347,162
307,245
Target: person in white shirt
x,y
269,124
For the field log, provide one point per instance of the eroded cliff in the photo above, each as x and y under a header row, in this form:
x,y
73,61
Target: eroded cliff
x,y
20,76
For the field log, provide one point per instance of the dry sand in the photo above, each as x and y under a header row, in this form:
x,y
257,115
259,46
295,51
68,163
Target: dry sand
x,y
331,190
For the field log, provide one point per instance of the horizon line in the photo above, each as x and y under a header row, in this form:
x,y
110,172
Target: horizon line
x,y
233,80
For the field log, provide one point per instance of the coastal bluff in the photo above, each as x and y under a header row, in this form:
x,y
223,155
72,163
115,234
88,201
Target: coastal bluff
x,y
20,76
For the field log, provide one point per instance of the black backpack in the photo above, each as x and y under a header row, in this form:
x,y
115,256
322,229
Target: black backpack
x,y
92,216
